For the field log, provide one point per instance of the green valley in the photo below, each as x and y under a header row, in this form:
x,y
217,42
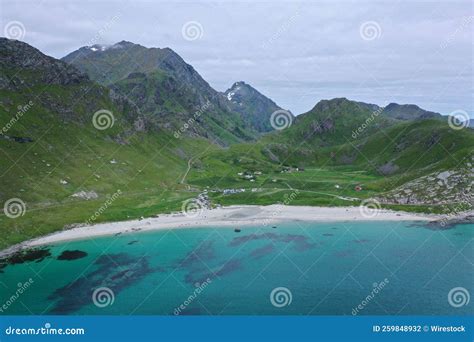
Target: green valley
x,y
60,161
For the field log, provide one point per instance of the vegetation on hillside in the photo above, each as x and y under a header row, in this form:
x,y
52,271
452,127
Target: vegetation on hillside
x,y
65,165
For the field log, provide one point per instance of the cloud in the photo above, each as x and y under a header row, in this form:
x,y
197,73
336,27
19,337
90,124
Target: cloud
x,y
295,52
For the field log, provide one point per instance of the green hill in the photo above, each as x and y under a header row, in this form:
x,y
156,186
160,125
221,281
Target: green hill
x,y
166,89
71,146
57,162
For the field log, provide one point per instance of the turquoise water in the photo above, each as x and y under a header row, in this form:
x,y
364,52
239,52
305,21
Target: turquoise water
x,y
326,268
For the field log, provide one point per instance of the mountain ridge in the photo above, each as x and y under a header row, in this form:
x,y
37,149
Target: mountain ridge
x,y
69,165
17,57
408,112
170,92
255,107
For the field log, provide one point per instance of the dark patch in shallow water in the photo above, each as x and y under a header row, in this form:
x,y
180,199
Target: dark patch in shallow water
x,y
229,267
114,271
200,264
204,252
27,255
262,251
223,270
194,276
201,274
328,234
72,255
300,242
132,242
203,262
196,261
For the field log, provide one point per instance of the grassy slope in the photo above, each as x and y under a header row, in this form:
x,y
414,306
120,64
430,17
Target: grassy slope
x,y
416,148
147,169
167,87
148,166
166,103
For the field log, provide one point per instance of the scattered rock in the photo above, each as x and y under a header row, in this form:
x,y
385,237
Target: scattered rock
x,y
454,186
87,195
27,255
388,168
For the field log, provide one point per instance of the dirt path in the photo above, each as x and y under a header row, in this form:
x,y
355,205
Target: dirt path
x,y
190,163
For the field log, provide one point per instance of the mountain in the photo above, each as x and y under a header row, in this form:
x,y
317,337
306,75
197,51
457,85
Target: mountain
x,y
256,108
408,112
109,64
339,121
341,132
24,66
334,122
68,145
162,86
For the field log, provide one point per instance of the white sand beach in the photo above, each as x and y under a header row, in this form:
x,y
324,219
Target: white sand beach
x,y
234,216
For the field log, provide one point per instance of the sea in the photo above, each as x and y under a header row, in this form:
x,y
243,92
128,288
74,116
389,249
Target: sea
x,y
290,268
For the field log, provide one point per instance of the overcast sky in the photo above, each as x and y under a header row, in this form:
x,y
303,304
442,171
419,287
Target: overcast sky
x,y
296,53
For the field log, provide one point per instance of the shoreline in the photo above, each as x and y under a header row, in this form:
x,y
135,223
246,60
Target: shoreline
x,y
237,215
